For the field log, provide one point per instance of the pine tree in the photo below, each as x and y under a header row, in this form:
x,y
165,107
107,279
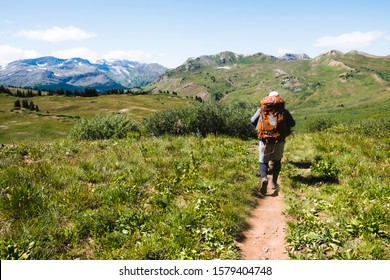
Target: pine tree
x,y
60,91
19,93
90,92
17,104
25,104
32,106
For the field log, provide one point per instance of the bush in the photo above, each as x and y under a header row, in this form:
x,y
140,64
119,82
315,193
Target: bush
x,y
203,119
320,124
326,169
104,127
170,121
374,127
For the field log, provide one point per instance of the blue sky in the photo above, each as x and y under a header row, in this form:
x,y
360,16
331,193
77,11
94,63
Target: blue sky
x,y
170,31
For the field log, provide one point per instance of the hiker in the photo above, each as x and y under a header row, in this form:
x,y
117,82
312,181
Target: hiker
x,y
273,123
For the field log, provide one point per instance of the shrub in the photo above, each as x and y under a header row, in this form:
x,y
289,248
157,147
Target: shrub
x,y
374,127
12,251
104,127
237,120
170,121
326,169
320,124
203,119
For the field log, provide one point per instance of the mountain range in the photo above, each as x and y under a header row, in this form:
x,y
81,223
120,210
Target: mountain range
x,y
51,73
330,80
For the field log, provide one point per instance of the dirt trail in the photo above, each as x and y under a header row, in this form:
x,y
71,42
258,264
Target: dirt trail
x,y
265,238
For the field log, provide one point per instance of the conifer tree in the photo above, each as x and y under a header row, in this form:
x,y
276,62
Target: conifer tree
x,y
25,104
17,104
32,106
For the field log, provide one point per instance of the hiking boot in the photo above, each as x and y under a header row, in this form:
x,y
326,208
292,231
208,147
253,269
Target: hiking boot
x,y
275,187
264,184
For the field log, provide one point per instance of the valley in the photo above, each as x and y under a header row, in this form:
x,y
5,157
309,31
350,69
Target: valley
x,y
182,182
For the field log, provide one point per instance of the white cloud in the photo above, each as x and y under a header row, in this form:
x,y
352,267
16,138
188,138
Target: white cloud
x,y
9,54
352,40
133,55
76,52
56,34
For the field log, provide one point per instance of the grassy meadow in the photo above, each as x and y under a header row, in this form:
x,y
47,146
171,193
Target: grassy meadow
x,y
58,114
153,198
337,194
174,190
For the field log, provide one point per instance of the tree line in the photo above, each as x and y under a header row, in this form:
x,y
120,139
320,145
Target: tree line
x,y
20,93
26,105
86,92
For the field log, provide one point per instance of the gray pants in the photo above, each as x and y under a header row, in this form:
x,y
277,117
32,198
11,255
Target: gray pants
x,y
267,152
270,151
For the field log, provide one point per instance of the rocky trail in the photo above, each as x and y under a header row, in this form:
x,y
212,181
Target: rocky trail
x,y
265,237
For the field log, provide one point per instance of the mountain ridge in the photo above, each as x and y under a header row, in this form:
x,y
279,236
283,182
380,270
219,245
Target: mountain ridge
x,y
76,73
223,76
330,79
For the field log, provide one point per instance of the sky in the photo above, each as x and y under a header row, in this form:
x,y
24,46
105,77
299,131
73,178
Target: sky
x,y
169,32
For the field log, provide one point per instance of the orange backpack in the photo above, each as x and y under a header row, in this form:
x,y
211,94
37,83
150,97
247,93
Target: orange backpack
x,y
272,125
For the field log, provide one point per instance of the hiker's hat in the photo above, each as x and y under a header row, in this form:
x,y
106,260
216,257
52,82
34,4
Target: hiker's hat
x,y
273,93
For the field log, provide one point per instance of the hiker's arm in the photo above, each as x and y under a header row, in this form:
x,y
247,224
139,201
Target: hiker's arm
x,y
255,117
290,120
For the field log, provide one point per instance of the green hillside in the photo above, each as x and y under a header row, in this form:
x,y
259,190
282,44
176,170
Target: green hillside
x,y
181,183
332,82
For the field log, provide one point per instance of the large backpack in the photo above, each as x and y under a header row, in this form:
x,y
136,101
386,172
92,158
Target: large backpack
x,y
272,125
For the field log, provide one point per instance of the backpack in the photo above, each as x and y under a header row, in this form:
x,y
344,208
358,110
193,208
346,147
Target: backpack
x,y
272,125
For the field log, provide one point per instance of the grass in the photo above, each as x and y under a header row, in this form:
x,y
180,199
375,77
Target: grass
x,y
338,195
165,198
185,197
58,114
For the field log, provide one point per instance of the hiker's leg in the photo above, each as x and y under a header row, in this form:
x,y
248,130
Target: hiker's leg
x,y
270,166
277,157
263,168
265,152
264,157
276,171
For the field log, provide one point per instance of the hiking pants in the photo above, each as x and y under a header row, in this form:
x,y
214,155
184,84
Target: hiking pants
x,y
267,152
270,151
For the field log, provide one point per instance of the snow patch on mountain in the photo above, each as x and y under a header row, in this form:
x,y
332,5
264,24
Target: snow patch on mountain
x,y
77,73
